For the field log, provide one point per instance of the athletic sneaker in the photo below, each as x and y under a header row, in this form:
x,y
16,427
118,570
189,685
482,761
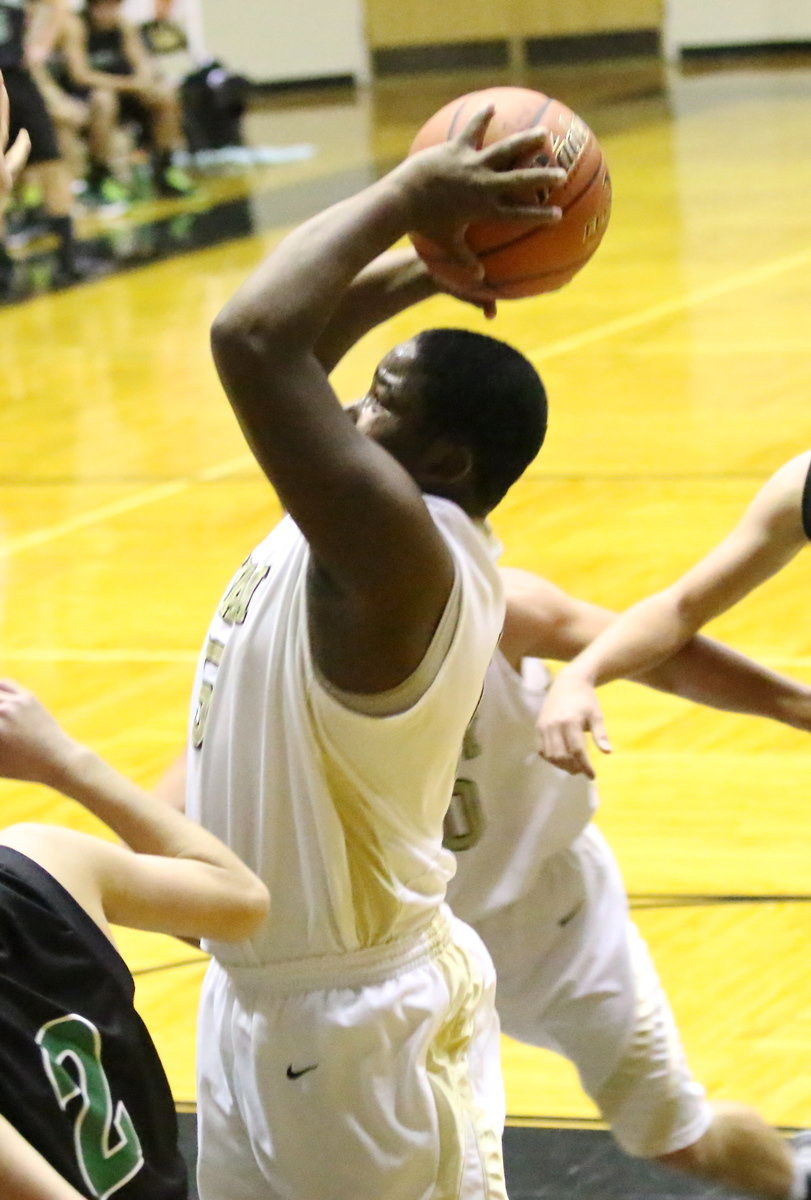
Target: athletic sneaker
x,y
173,181
107,195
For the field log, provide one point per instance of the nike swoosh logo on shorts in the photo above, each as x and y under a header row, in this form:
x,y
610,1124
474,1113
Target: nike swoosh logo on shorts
x,y
291,1074
570,916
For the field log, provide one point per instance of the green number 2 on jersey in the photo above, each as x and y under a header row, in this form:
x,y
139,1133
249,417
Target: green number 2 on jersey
x,y
108,1149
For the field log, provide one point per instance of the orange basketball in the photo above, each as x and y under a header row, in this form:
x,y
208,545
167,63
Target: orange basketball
x,y
522,261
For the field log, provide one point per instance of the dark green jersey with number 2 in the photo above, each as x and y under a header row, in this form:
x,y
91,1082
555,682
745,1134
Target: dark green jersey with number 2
x,y
79,1075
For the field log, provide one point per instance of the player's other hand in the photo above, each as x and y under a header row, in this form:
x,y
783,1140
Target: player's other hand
x,y
570,711
449,185
33,745
478,295
406,261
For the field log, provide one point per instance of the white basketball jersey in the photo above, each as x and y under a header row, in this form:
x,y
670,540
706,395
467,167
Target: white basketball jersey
x,y
521,809
339,812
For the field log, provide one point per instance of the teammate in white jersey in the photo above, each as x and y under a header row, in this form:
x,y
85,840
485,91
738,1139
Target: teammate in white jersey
x,y
541,887
351,1047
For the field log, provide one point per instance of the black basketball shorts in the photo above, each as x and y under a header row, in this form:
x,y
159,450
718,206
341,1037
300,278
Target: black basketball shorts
x,y
28,111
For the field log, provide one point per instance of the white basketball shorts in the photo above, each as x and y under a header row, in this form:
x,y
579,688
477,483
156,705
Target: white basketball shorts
x,y
574,976
376,1076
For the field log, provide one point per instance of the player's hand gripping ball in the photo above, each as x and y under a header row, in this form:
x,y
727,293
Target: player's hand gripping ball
x,y
520,261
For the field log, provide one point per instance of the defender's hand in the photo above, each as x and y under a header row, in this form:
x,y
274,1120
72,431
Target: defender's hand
x,y
571,710
33,745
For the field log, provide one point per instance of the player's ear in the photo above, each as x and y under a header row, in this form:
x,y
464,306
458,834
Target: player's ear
x,y
448,462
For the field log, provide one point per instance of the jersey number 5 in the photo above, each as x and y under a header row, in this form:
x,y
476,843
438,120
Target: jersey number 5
x,y
233,610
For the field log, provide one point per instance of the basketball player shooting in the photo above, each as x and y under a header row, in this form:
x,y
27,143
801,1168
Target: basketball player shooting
x,y
340,671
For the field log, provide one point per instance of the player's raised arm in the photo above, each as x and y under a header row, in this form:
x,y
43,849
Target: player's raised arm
x,y
544,621
770,534
181,879
391,283
361,513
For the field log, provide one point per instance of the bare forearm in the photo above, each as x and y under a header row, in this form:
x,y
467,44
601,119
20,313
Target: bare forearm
x,y
291,298
112,83
714,675
25,1174
390,284
171,787
145,823
265,340
634,643
289,301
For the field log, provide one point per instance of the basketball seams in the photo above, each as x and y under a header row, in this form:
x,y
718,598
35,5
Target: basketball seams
x,y
570,267
567,270
465,101
536,119
460,108
439,260
526,234
575,199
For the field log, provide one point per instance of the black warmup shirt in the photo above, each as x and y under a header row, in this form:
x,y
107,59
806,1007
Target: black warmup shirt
x,y
12,33
105,50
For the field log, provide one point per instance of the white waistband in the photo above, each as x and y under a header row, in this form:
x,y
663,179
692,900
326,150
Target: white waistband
x,y
360,968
